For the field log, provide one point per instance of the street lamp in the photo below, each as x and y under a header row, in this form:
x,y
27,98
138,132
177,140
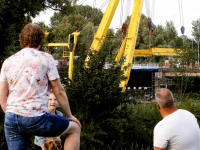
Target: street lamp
x,y
198,50
197,34
198,45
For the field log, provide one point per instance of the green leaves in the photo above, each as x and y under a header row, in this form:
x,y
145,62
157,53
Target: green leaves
x,y
196,29
15,14
95,96
183,70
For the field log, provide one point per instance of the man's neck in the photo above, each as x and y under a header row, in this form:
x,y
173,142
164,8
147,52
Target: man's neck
x,y
32,47
165,112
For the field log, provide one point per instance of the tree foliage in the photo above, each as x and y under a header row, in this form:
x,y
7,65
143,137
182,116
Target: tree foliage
x,y
93,15
163,37
15,14
184,67
3,144
196,29
83,18
95,96
67,26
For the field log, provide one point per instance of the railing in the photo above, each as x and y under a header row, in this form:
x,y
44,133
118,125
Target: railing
x,y
145,66
153,66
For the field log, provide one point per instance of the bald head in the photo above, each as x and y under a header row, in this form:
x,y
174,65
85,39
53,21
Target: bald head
x,y
164,98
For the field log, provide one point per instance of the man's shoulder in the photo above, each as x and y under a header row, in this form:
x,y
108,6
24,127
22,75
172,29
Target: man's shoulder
x,y
185,112
159,124
162,127
165,122
178,116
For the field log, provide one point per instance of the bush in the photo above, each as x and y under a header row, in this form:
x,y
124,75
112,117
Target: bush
x,y
3,144
95,96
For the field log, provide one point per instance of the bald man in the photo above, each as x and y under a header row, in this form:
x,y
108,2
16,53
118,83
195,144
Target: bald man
x,y
178,130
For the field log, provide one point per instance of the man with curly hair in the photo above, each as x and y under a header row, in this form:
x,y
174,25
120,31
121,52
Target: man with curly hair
x,y
26,77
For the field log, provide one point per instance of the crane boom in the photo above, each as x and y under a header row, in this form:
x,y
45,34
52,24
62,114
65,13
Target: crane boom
x,y
131,40
72,41
127,48
103,27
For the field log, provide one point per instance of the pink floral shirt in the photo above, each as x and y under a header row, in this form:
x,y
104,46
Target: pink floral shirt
x,y
28,73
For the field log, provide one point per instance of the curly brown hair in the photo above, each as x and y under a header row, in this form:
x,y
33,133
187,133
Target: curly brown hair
x,y
32,36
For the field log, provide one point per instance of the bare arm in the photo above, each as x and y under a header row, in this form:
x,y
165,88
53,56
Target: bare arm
x,y
61,96
157,148
62,99
3,95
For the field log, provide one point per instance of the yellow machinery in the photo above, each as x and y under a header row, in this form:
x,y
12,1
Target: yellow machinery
x,y
163,52
128,45
154,52
103,27
72,41
127,48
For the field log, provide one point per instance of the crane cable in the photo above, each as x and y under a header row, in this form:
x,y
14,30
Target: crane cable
x,y
150,12
94,4
150,16
181,16
121,13
81,2
102,6
128,6
153,10
147,8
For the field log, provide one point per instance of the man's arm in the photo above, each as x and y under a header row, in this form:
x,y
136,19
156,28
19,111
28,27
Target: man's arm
x,y
157,148
62,99
3,95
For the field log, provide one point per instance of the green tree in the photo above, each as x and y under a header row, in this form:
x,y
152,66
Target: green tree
x,y
87,35
3,144
84,19
183,70
42,25
68,25
95,97
179,42
56,19
170,28
15,14
196,29
93,15
164,37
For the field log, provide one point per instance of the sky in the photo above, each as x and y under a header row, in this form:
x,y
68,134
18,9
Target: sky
x,y
164,10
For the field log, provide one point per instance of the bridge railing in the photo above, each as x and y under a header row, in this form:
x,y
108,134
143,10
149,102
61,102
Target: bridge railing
x,y
137,66
145,66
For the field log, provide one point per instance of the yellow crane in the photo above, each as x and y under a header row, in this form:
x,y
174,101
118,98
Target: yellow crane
x,y
128,45
154,52
72,41
127,48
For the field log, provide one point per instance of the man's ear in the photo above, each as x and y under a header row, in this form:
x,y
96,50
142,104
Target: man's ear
x,y
158,106
174,100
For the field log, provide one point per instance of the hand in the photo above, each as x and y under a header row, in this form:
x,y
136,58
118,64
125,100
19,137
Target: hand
x,y
72,118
